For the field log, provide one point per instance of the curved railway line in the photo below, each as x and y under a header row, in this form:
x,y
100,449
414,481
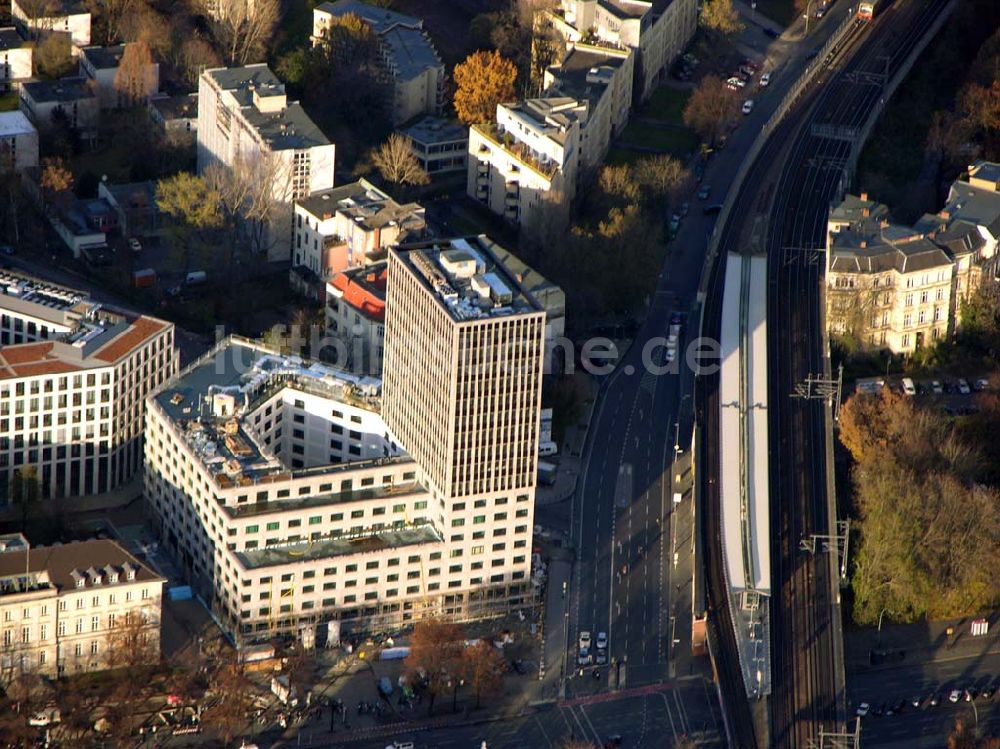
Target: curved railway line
x,y
791,185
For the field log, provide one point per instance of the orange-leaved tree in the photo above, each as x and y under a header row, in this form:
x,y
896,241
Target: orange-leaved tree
x,y
484,80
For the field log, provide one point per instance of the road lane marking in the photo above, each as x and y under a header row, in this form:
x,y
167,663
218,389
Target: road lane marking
x,y
544,733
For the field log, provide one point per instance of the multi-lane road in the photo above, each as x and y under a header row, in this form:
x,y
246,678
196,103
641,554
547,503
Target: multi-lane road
x,y
625,525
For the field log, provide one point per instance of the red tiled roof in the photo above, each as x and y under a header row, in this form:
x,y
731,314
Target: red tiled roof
x,y
30,359
136,334
363,295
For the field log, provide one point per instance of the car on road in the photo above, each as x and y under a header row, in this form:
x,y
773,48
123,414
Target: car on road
x,y
768,31
712,209
935,699
955,695
820,11
916,700
879,711
765,80
602,640
6,249
748,106
963,387
704,192
676,318
862,710
584,658
585,640
135,245
936,387
988,691
970,694
685,207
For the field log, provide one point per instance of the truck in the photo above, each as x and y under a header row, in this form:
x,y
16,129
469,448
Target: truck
x,y
143,278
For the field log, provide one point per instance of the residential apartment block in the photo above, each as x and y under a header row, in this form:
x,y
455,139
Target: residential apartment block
x,y
287,493
355,317
73,379
410,65
524,168
658,31
245,118
440,145
15,59
101,64
347,227
18,142
69,99
38,20
66,608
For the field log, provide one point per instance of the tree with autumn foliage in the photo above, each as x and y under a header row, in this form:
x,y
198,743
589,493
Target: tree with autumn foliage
x,y
233,698
435,658
925,506
483,667
136,78
721,16
711,109
482,81
56,181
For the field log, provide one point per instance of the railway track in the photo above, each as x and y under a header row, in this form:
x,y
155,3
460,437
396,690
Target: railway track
x,y
805,693
797,174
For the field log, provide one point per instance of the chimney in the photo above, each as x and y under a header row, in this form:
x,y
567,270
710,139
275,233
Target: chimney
x,y
866,212
945,214
864,243
864,197
884,223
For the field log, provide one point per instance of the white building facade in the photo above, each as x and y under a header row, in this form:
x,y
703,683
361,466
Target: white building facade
x,y
245,120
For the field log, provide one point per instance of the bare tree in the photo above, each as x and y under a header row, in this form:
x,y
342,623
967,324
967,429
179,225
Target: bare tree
x,y
247,190
131,642
483,668
243,28
39,14
396,163
233,703
435,653
110,16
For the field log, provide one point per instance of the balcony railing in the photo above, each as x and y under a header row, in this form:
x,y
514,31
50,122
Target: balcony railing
x,y
519,151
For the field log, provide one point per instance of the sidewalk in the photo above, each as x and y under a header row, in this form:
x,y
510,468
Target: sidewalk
x,y
569,457
907,644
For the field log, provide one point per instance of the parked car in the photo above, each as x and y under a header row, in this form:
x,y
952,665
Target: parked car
x,y
771,32
704,192
970,694
685,207
748,106
936,387
6,249
712,209
981,384
765,80
862,710
820,11
935,699
135,245
916,700
908,386
963,387
955,695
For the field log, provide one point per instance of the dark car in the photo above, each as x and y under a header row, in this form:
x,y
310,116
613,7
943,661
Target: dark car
x,y
6,249
712,209
935,699
988,690
771,33
880,710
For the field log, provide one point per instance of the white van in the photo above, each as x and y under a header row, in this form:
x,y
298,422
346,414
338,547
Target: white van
x,y
908,387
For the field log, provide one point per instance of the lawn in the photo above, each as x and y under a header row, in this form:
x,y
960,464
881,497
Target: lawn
x,y
673,140
666,105
779,11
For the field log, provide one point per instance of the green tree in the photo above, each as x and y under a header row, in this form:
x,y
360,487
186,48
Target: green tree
x,y
53,57
193,207
721,16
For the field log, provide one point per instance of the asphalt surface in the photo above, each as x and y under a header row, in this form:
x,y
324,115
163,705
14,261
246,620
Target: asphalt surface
x,y
657,718
625,582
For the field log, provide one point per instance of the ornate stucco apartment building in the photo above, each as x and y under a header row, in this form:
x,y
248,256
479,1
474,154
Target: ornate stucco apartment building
x,y
65,608
899,288
295,494
73,380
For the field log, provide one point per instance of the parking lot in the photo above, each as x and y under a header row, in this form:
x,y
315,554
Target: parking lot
x,y
954,394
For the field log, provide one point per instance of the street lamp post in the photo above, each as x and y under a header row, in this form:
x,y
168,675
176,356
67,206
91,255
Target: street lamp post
x,y
880,627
